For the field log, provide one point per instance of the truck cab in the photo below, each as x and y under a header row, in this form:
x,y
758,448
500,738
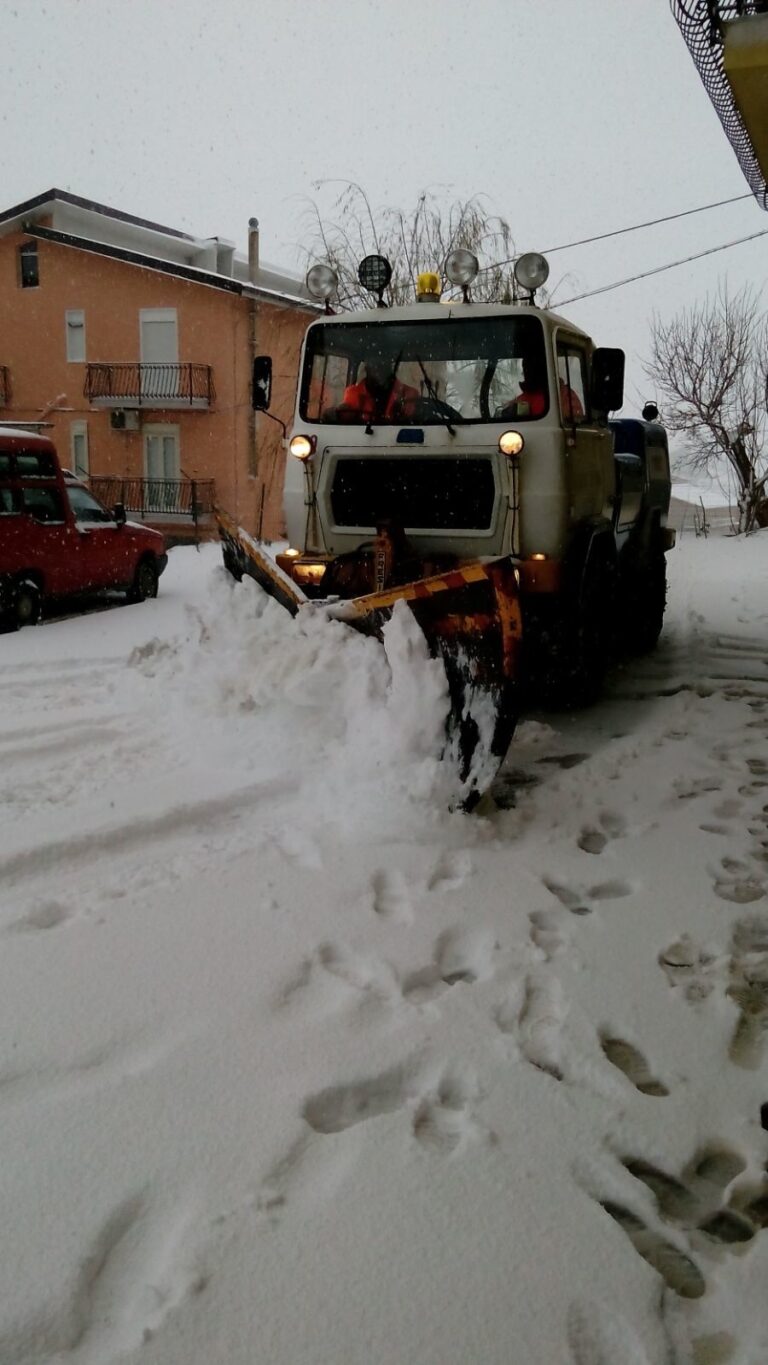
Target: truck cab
x,y
446,433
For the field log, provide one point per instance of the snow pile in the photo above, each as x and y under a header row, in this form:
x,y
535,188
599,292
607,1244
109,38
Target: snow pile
x,y
358,724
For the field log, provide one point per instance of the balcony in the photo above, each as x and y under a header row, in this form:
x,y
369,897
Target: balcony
x,y
150,386
5,385
167,500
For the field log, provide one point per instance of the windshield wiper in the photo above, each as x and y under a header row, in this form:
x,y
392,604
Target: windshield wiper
x,y
437,402
368,425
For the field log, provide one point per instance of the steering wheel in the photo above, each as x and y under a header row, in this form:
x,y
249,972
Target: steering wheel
x,y
428,406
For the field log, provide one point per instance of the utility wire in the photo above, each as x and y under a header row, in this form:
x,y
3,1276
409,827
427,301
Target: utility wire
x,y
659,269
619,232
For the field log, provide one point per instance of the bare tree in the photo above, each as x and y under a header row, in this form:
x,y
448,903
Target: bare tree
x,y
413,242
710,366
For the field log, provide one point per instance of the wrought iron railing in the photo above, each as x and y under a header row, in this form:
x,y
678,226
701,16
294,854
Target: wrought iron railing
x,y
150,385
193,498
700,22
5,385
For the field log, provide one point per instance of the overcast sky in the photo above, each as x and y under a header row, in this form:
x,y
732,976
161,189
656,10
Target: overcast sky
x,y
573,118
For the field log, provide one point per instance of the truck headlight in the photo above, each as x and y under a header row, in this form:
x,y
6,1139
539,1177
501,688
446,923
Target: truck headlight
x,y
511,443
302,446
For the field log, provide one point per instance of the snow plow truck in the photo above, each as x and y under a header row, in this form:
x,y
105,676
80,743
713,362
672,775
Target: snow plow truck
x,y
460,457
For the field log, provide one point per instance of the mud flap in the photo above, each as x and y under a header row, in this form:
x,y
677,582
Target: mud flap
x,y
469,616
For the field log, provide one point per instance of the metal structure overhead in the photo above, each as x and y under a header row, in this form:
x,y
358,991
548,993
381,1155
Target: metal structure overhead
x,y
728,40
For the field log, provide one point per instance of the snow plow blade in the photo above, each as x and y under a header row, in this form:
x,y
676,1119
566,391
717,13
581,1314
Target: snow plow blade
x,y
470,617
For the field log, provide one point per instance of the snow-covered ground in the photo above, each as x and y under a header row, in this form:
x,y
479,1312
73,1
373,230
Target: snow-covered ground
x,y
299,1068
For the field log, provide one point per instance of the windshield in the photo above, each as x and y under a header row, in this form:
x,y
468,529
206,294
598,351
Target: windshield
x,y
84,506
425,373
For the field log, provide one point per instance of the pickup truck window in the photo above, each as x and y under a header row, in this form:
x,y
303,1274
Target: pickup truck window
x,y
44,504
34,464
85,507
422,373
6,502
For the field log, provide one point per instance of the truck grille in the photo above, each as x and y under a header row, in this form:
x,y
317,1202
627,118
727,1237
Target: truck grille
x,y
442,495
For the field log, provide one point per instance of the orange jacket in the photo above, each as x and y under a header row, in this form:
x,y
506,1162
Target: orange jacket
x,y
533,403
400,401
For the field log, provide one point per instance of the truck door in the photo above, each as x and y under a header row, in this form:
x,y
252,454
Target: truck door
x,y
46,536
589,446
100,544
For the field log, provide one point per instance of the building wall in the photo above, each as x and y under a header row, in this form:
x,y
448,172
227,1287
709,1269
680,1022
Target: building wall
x,y
215,328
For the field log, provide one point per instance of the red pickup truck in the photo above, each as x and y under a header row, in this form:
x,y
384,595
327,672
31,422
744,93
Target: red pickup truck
x,y
57,540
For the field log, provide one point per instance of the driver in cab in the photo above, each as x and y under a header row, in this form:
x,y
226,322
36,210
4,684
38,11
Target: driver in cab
x,y
379,396
533,399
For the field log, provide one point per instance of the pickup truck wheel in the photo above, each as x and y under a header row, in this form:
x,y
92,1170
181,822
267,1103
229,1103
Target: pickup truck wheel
x,y
145,582
27,604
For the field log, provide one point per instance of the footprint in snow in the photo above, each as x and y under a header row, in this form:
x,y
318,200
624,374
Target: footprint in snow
x,y
629,1059
549,932
391,897
442,1119
686,789
691,967
593,838
699,1206
336,976
743,974
597,1336
441,1112
138,1268
540,1023
748,988
49,914
460,955
576,899
451,871
564,761
734,882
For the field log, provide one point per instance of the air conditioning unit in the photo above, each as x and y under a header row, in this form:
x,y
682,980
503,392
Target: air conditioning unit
x,y
122,420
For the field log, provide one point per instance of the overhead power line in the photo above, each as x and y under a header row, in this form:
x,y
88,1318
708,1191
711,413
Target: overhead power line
x,y
619,232
659,269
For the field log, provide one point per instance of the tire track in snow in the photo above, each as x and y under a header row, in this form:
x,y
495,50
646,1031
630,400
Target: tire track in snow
x,y
72,850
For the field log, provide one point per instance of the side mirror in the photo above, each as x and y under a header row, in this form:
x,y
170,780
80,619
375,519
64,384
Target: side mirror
x,y
650,412
119,513
607,379
261,383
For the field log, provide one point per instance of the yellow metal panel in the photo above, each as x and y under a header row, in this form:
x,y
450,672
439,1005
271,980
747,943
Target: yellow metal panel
x,y
745,59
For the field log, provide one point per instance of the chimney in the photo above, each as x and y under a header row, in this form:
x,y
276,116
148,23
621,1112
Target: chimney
x,y
253,249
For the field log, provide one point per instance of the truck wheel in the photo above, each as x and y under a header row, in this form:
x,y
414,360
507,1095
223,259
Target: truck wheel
x,y
145,582
651,602
581,645
26,605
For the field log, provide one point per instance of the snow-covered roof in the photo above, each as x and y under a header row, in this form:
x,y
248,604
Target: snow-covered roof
x,y
213,261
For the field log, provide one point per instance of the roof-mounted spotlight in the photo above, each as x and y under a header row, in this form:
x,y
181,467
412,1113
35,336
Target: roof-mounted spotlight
x,y
531,271
322,282
374,274
461,267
